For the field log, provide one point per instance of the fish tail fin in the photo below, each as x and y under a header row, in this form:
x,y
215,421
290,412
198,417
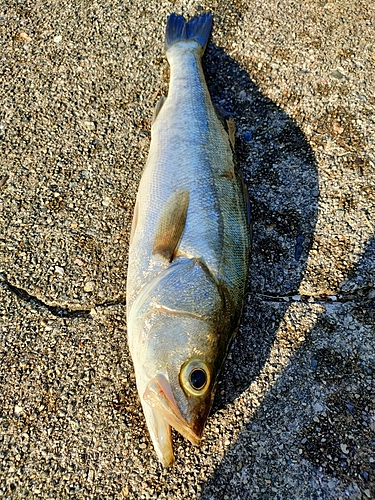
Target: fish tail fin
x,y
198,29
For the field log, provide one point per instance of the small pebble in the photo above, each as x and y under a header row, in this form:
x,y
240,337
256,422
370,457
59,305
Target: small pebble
x,y
344,448
89,286
24,37
18,410
318,407
337,74
89,125
247,136
59,270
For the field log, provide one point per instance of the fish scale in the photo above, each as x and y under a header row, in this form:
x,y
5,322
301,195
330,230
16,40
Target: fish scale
x,y
188,254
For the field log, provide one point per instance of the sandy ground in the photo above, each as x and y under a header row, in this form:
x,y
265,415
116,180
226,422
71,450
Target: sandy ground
x,y
294,416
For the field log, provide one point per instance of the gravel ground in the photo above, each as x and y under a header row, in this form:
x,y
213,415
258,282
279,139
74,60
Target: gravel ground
x,y
294,416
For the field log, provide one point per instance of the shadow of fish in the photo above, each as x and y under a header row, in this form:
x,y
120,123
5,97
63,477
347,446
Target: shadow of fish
x,y
189,248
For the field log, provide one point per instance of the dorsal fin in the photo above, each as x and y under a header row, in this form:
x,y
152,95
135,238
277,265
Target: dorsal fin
x,y
231,131
228,123
171,224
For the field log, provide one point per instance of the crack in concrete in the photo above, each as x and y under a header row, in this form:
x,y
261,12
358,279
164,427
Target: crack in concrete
x,y
66,312
55,310
339,298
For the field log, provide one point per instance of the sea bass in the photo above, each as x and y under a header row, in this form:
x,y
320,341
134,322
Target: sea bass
x,y
189,247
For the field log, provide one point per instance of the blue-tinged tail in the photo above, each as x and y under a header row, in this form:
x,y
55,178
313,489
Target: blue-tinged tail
x,y
198,29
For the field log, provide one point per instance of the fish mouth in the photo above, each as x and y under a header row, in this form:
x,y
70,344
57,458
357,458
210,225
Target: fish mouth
x,y
159,396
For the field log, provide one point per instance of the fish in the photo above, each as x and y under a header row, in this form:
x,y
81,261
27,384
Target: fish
x,y
188,250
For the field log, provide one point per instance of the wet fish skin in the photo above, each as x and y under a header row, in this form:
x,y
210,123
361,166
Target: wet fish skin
x,y
189,247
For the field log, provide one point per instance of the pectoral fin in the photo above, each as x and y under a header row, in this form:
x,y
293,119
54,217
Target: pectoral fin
x,y
158,107
171,224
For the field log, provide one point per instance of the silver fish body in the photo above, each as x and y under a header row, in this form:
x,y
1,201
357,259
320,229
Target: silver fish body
x,y
189,247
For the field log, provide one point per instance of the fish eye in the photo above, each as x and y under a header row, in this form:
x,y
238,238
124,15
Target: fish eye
x,y
195,377
198,379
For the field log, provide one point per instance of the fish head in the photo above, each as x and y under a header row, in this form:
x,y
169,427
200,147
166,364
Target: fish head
x,y
176,382
181,331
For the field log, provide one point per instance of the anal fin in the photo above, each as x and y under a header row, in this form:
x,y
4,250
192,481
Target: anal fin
x,y
134,223
171,224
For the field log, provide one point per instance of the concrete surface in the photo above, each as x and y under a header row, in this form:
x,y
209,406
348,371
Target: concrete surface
x,y
294,416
